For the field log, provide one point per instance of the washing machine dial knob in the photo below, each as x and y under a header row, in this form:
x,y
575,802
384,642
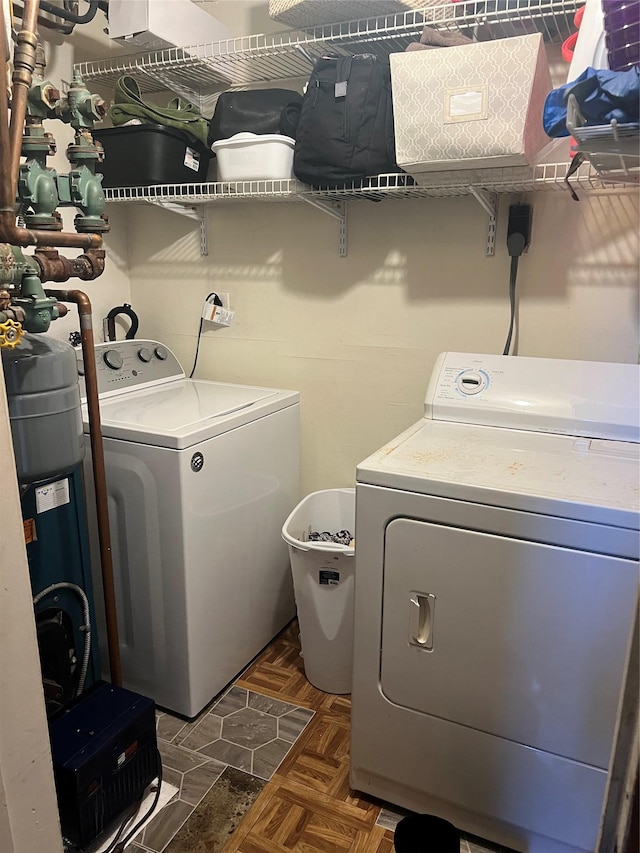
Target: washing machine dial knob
x,y
113,359
471,382
161,353
144,354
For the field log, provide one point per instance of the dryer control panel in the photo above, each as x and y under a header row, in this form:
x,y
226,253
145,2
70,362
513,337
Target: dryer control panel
x,y
582,398
129,365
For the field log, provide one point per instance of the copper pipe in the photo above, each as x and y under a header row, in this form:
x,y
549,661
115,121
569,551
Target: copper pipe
x,y
24,61
10,233
99,476
55,267
7,197
11,144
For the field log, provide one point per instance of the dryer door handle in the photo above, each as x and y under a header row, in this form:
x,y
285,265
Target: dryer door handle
x,y
421,614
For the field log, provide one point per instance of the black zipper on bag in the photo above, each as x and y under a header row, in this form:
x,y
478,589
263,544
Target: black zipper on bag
x,y
347,123
341,78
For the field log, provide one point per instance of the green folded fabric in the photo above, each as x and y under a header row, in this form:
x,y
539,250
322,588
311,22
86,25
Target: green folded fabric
x,y
182,115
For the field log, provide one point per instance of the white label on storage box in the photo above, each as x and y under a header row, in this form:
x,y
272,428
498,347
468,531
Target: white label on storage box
x,y
191,159
467,104
52,495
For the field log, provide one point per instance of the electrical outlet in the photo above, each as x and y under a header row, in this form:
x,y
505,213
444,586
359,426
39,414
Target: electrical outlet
x,y
226,301
519,228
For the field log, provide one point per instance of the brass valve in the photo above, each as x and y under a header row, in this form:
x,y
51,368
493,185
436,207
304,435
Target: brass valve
x,y
10,334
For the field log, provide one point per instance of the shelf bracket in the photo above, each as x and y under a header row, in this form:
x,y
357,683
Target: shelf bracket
x,y
202,216
489,202
197,212
338,210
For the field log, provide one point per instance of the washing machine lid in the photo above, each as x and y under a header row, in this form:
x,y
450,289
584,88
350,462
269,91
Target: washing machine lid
x,y
572,477
184,412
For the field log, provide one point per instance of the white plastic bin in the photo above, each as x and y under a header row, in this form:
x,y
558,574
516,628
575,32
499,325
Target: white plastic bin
x,y
254,157
323,583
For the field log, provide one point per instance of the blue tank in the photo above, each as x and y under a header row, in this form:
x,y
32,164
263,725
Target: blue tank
x,y
55,525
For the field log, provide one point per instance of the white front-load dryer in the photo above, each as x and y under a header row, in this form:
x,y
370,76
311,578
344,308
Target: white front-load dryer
x,y
496,592
200,477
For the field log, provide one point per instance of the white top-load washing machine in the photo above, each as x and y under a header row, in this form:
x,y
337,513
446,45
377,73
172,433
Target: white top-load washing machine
x,y
200,477
496,592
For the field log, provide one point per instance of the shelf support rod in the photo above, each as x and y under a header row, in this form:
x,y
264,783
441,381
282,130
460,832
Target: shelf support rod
x,y
202,216
489,202
191,212
338,210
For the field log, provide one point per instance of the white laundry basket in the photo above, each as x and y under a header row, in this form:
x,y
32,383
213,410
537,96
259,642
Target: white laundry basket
x,y
323,582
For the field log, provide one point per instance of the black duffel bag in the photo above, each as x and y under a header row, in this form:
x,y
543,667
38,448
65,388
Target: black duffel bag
x,y
255,111
345,133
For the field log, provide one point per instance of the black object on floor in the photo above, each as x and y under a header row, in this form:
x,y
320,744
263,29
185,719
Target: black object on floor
x,y
425,833
105,754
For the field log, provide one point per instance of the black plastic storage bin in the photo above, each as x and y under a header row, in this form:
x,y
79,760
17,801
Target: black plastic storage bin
x,y
137,155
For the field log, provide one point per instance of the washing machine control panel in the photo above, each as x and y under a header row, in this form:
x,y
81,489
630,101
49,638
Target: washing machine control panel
x,y
122,365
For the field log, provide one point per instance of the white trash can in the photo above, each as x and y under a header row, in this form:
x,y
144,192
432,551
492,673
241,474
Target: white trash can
x,y
323,583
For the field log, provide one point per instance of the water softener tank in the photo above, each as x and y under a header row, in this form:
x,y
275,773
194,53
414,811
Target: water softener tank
x,y
41,376
43,397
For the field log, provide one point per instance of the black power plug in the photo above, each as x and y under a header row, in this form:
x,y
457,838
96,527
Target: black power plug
x,y
518,237
519,229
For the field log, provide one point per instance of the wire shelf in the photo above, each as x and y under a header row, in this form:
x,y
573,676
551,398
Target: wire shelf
x,y
203,68
435,185
613,150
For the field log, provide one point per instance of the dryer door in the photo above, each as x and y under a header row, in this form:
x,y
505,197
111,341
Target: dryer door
x,y
522,640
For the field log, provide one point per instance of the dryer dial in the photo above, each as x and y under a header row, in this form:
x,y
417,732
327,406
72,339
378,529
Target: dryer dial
x,y
471,381
144,354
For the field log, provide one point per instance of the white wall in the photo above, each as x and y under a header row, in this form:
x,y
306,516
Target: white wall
x,y
358,335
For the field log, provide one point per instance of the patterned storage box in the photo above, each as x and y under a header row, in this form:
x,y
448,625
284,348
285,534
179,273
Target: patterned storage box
x,y
469,107
303,14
